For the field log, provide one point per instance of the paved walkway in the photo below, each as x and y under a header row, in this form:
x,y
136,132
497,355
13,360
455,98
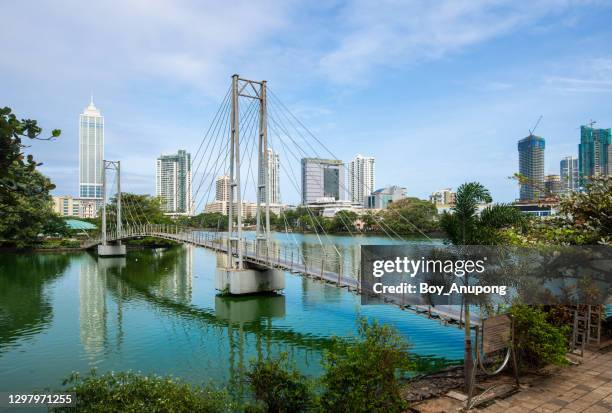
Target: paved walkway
x,y
583,388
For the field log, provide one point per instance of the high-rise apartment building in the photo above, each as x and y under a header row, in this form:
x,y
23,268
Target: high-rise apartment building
x,y
361,179
91,152
222,188
273,172
173,183
531,167
321,179
594,152
568,170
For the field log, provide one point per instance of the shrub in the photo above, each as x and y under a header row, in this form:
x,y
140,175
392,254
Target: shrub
x,y
131,392
278,386
362,376
538,342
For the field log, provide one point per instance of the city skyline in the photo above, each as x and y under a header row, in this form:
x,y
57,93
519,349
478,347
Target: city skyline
x,y
379,100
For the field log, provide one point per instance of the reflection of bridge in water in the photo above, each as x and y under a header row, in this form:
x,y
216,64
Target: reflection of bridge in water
x,y
247,321
278,256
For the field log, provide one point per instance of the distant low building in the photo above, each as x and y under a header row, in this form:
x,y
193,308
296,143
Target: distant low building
x,y
328,207
68,206
249,209
443,198
381,198
540,208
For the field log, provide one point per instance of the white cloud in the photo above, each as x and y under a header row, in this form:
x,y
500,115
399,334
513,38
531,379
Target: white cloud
x,y
591,76
393,33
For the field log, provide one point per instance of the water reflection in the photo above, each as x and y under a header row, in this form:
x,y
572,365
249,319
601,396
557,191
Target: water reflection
x,y
237,312
25,308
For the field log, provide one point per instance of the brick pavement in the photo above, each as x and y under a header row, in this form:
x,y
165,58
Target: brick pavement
x,y
583,388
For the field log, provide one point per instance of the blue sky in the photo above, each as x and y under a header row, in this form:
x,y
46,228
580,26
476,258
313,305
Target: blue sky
x,y
439,92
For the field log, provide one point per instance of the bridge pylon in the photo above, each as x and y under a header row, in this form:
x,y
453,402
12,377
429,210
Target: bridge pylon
x,y
114,249
238,277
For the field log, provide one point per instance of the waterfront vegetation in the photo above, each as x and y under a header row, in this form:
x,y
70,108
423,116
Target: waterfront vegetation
x,y
133,393
410,216
360,375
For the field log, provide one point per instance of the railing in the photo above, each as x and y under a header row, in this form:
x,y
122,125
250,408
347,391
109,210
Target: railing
x,y
319,264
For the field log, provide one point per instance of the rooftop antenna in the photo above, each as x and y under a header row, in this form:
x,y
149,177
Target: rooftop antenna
x,y
592,122
535,126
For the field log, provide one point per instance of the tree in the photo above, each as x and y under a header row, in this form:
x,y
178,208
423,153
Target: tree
x,y
584,219
344,221
25,204
14,164
411,215
464,226
210,220
27,210
279,386
138,210
362,376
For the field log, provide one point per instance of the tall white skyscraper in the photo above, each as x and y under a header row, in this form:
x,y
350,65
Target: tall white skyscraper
x,y
173,183
273,168
361,177
91,152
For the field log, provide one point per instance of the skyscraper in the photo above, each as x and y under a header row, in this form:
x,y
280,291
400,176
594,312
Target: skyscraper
x,y
568,170
321,178
361,177
531,167
173,183
222,188
91,153
593,152
273,169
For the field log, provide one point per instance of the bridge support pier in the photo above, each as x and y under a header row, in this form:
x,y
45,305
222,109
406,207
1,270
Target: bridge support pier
x,y
109,250
252,279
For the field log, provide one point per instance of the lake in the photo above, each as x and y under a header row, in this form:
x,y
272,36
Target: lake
x,y
156,311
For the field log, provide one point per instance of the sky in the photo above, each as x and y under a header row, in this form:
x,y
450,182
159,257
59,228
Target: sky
x,y
439,92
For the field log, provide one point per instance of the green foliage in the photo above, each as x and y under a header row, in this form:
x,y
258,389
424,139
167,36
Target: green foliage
x,y
409,215
15,166
151,242
26,212
25,204
362,376
537,341
59,243
139,209
209,220
279,387
584,219
464,226
131,392
343,221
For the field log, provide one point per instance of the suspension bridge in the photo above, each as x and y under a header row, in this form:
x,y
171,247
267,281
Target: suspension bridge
x,y
250,131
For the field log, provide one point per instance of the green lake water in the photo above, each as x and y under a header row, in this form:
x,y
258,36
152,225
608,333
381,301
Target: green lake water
x,y
156,311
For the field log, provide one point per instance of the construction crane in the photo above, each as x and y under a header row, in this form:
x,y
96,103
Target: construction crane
x,y
535,126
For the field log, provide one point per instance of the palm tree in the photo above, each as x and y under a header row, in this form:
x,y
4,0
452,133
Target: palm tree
x,y
464,226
